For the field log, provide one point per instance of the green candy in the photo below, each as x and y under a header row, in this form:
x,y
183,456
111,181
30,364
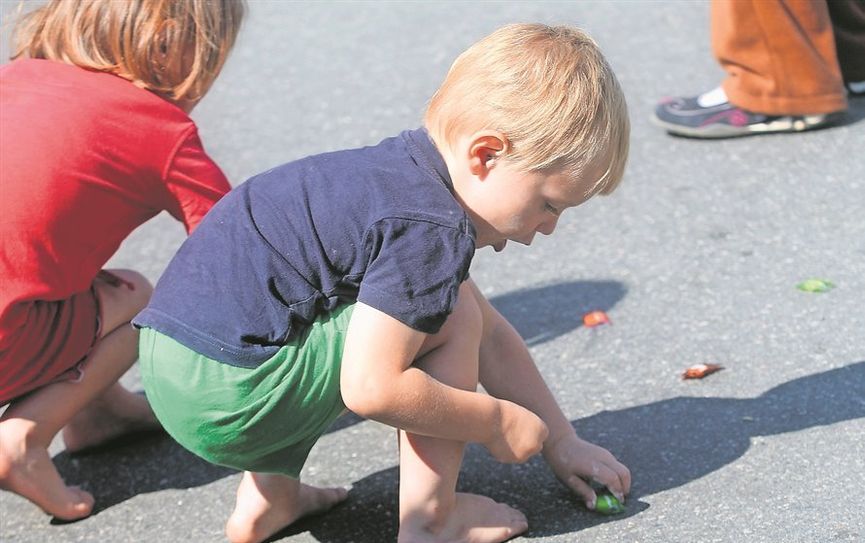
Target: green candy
x,y
815,285
607,504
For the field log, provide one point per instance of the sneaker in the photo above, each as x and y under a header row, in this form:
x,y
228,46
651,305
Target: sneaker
x,y
710,115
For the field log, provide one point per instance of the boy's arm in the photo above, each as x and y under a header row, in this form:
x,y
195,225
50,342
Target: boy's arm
x,y
378,381
507,371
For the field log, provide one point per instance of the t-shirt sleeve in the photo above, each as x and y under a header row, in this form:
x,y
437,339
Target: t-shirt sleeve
x,y
194,182
415,270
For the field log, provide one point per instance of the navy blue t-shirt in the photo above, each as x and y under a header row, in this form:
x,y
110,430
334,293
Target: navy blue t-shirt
x,y
379,225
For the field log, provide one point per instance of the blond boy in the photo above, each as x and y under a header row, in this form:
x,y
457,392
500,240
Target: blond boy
x,y
342,280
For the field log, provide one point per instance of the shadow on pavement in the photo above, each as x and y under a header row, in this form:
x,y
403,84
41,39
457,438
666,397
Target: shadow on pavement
x,y
122,471
665,444
544,313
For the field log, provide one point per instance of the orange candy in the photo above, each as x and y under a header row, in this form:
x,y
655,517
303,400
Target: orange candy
x,y
595,318
701,370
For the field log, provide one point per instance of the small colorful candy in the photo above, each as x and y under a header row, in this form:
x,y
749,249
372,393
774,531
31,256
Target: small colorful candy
x,y
595,318
607,504
701,370
815,285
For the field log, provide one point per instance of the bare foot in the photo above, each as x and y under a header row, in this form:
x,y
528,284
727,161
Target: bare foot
x,y
27,470
267,503
115,413
474,519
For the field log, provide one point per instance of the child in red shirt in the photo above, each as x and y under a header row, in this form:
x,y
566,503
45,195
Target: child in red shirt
x,y
96,140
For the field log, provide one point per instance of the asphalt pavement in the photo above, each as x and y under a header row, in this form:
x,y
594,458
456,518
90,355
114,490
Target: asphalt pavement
x,y
695,259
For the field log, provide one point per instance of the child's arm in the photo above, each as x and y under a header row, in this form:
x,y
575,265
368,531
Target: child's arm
x,y
508,371
194,182
379,382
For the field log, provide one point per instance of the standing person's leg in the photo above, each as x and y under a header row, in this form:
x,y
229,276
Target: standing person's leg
x,y
848,24
779,56
430,507
31,422
783,73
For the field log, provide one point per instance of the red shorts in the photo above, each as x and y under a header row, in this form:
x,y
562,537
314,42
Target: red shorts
x,y
51,345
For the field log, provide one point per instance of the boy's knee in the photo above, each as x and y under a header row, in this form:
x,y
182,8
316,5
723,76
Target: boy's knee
x,y
139,287
122,293
142,285
463,326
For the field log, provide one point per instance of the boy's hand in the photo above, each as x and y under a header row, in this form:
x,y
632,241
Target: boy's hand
x,y
576,461
520,434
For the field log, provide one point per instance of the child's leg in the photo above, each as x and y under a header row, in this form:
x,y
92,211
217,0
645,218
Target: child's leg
x,y
115,411
430,508
31,422
268,502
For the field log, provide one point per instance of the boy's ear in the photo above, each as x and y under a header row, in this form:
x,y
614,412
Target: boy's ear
x,y
484,147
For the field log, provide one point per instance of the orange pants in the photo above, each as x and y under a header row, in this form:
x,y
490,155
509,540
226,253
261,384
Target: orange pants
x,y
789,57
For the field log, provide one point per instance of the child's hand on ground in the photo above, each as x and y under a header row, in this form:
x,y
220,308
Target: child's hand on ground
x,y
577,462
519,436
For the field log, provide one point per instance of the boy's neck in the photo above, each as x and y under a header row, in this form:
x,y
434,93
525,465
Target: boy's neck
x,y
460,173
453,165
448,157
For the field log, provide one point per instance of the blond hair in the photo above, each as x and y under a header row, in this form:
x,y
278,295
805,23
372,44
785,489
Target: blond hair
x,y
132,39
549,90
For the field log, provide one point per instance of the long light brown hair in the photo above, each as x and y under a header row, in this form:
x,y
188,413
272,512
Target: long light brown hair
x,y
175,48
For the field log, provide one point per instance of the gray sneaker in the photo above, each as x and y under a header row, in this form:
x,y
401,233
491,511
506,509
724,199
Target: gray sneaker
x,y
686,117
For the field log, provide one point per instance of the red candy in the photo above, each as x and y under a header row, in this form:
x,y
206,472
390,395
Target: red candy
x,y
595,318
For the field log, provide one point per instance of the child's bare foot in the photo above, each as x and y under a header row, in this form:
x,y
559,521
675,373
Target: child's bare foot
x,y
29,472
474,519
115,413
267,503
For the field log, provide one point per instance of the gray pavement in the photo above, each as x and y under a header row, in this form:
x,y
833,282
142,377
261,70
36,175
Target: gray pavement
x,y
695,258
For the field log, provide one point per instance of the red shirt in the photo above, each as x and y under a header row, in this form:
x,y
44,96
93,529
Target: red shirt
x,y
85,158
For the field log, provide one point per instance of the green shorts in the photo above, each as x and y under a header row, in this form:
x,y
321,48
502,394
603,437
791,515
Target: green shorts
x,y
264,419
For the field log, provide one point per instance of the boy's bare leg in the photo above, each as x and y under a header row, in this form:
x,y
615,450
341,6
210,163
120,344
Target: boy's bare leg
x,y
30,423
268,502
430,508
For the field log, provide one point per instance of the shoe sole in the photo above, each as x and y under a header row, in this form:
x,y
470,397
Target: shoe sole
x,y
723,131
